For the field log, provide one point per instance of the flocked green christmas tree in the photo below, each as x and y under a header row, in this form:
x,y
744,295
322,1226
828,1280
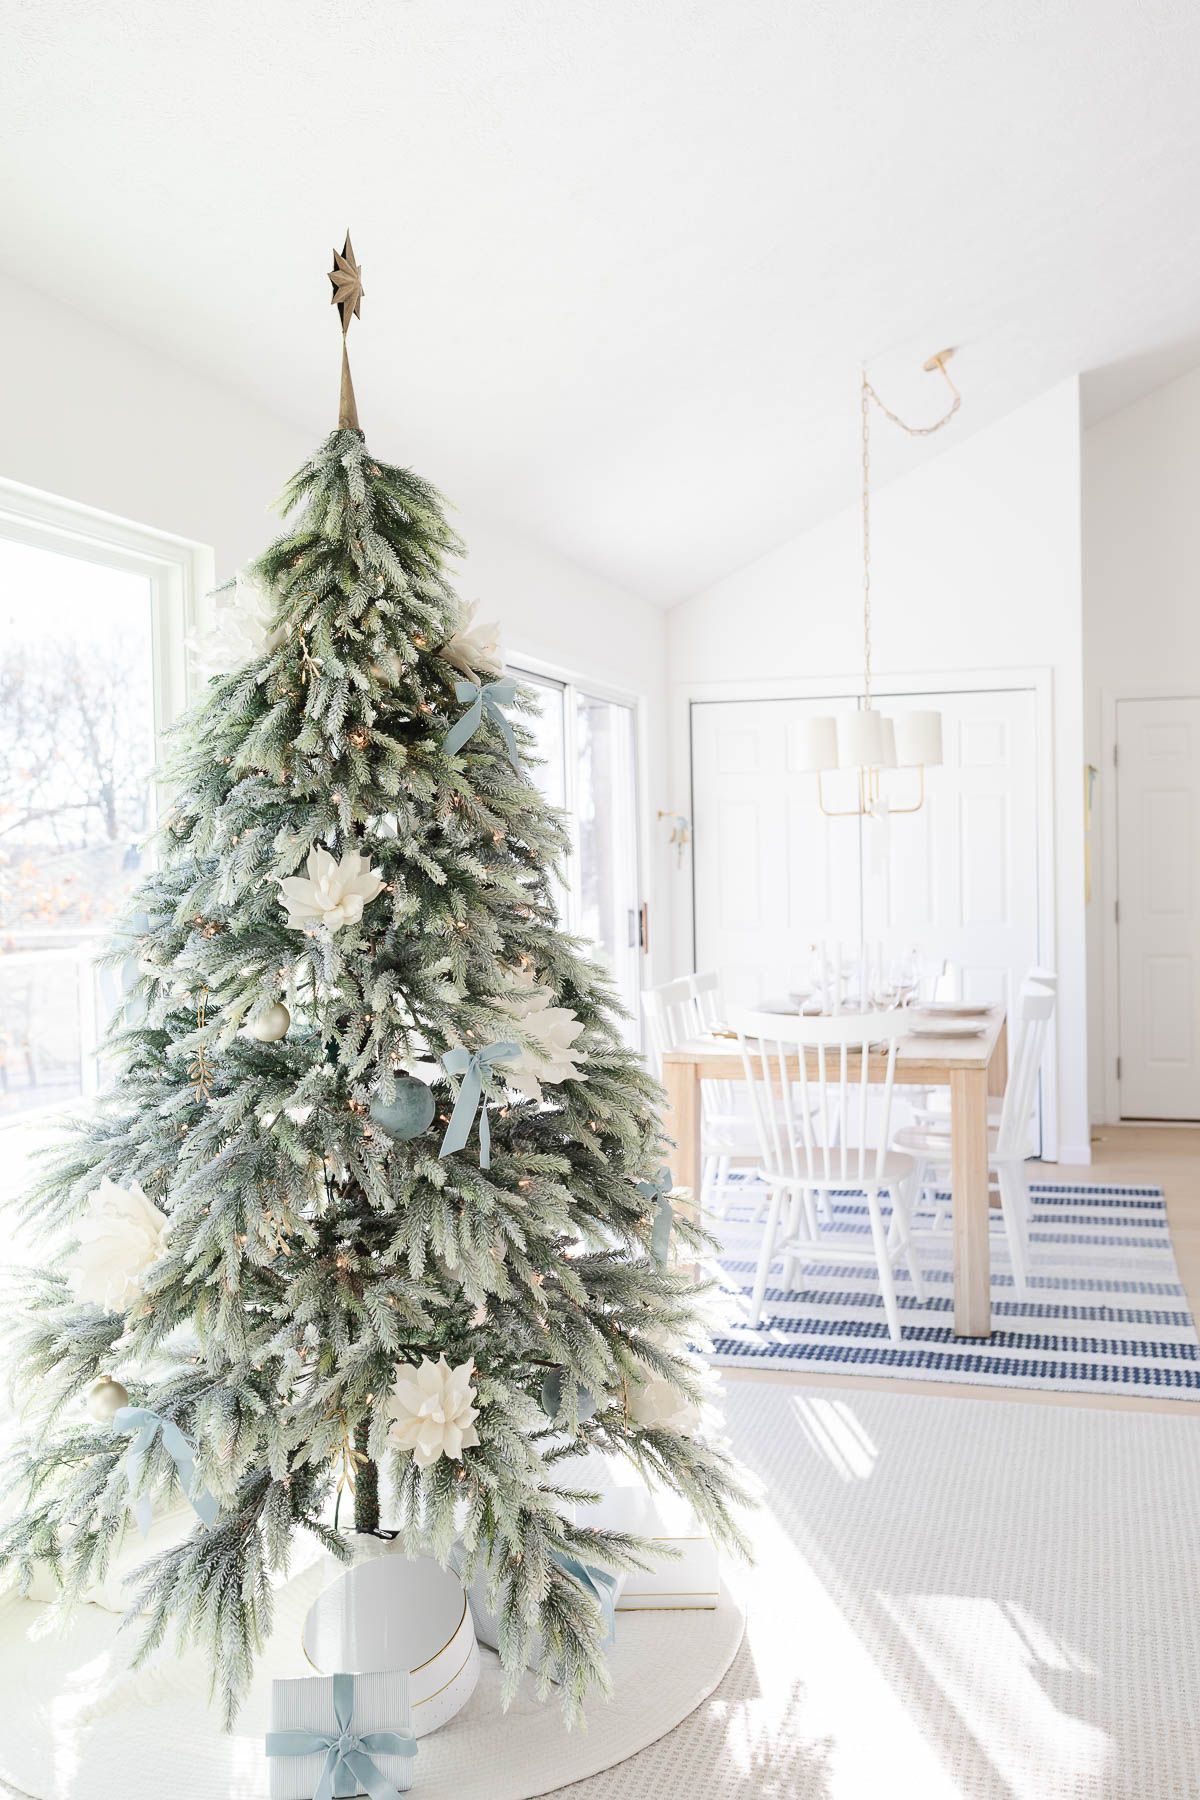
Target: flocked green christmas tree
x,y
372,1110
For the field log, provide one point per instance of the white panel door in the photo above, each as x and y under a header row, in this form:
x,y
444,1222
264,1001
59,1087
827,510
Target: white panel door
x,y
1158,922
772,875
957,880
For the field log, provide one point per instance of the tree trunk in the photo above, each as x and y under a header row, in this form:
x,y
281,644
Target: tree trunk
x,y
366,1488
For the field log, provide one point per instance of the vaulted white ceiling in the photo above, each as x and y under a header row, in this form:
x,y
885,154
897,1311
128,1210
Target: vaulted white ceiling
x,y
622,257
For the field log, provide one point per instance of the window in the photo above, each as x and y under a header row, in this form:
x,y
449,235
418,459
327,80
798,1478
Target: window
x,y
588,746
92,626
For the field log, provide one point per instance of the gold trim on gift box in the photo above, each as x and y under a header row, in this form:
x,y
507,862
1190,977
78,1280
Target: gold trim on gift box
x,y
409,1672
675,1593
446,1684
447,1643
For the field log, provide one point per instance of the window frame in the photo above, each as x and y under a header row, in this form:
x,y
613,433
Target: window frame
x,y
571,684
179,572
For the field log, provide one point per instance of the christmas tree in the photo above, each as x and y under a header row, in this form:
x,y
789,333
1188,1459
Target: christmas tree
x,y
372,1214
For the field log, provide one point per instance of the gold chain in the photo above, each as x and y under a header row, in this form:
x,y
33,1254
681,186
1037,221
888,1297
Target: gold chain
x,y
867,394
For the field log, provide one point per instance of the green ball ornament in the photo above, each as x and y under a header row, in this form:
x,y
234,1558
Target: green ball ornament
x,y
551,1397
409,1114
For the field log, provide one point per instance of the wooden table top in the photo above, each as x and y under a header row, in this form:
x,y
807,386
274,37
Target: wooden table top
x,y
921,1061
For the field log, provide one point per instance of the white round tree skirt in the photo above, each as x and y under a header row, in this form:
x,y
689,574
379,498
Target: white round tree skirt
x,y
79,1724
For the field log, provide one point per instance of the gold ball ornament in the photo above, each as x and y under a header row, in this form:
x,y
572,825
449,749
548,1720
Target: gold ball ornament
x,y
105,1399
273,1024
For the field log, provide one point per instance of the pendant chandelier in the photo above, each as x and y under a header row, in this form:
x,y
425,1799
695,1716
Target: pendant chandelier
x,y
867,741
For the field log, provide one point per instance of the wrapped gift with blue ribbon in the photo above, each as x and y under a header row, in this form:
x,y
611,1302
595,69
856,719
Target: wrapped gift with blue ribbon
x,y
338,1735
603,1585
486,698
475,1068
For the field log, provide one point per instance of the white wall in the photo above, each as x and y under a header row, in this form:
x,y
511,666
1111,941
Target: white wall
x,y
96,418
1141,606
975,566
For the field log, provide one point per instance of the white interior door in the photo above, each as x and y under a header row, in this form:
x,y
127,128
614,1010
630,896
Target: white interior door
x,y
772,875
1158,907
957,880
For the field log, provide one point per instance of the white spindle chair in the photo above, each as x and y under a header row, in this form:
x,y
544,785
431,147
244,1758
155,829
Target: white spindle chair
x,y
934,1112
1008,1137
686,1008
813,1141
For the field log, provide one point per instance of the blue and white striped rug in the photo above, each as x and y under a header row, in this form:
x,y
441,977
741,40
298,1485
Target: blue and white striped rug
x,y
1106,1311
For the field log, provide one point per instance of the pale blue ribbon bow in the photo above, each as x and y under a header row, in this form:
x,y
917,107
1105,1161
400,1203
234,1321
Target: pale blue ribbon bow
x,y
488,699
655,1193
146,1424
601,1584
475,1067
349,1754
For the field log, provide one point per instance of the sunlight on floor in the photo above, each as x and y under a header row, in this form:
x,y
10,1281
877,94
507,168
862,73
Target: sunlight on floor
x,y
833,1429
818,1682
996,1665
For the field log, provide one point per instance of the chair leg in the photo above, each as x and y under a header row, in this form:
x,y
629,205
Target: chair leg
x,y
708,1176
891,1305
902,1222
1014,1203
765,1255
723,1191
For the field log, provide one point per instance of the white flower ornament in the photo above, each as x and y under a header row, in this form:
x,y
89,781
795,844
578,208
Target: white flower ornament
x,y
658,1405
242,629
120,1237
474,648
332,893
431,1411
551,1055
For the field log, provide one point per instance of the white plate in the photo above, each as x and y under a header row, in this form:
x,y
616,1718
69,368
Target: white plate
x,y
951,1009
946,1028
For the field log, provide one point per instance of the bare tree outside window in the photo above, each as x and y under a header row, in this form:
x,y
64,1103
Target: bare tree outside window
x,y
76,805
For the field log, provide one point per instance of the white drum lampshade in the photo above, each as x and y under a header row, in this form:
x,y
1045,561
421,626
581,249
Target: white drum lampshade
x,y
919,740
814,744
863,740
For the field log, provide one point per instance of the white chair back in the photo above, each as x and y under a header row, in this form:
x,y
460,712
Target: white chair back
x,y
705,989
1037,1009
670,1016
813,1129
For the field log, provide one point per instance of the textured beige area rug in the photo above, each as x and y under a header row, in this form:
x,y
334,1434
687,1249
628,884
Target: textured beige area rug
x,y
953,1598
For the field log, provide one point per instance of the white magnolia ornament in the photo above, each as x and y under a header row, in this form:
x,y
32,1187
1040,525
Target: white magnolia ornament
x,y
550,1056
242,630
333,893
431,1411
658,1405
270,1026
474,648
105,1398
120,1236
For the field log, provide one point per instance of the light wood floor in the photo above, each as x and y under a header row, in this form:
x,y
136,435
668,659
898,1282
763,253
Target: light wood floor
x,y
1167,1157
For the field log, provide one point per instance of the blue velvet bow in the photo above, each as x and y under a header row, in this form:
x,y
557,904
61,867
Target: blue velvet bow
x,y
475,1067
489,698
655,1193
349,1754
601,1584
146,1424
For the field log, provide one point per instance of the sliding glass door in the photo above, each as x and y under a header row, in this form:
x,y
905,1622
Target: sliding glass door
x,y
587,743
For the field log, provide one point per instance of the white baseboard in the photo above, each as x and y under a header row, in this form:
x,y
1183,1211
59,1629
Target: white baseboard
x,y
1075,1155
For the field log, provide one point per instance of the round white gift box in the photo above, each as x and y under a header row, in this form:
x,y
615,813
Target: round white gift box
x,y
397,1612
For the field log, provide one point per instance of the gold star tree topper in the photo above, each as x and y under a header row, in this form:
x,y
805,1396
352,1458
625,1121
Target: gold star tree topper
x,y
346,280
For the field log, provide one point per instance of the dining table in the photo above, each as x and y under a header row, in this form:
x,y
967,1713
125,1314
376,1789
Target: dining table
x,y
972,1067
